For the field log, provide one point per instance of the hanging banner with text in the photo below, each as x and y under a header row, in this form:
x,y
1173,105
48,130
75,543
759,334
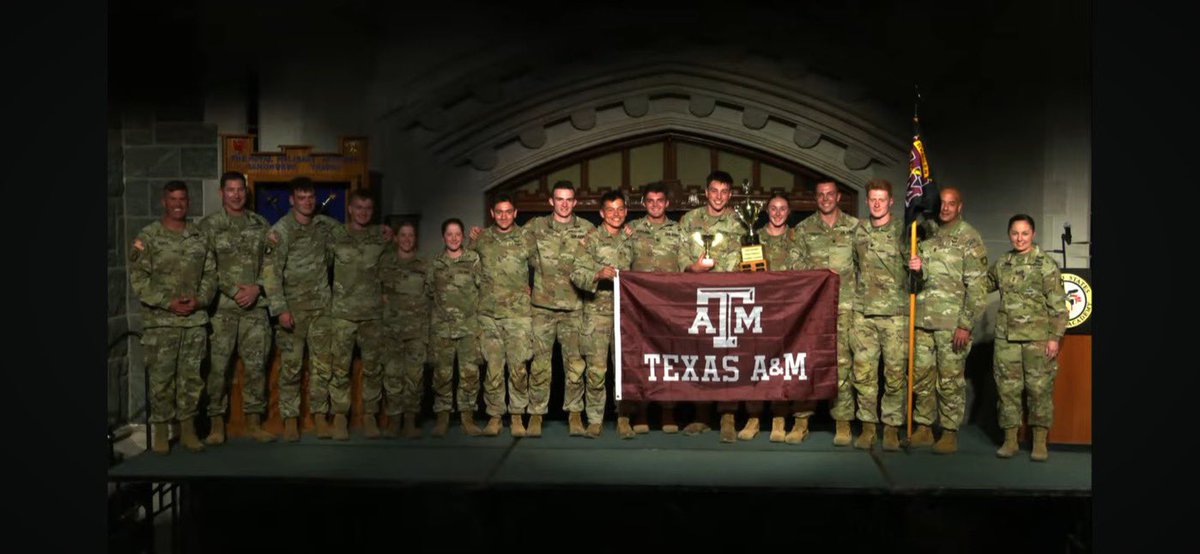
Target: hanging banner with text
x,y
726,336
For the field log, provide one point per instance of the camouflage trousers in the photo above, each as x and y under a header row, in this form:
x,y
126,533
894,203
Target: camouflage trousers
x,y
939,386
402,372
872,336
1022,366
506,341
249,332
442,352
549,325
586,388
173,356
842,406
332,341
291,359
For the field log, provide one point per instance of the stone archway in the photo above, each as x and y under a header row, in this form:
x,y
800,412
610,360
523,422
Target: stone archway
x,y
481,142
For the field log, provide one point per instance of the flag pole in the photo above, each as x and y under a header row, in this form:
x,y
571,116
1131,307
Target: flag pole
x,y
912,279
912,319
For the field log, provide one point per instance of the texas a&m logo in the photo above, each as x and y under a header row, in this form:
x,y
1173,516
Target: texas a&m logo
x,y
732,320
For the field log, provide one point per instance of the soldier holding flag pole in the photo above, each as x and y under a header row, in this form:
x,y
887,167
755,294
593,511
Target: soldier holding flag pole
x,y
952,263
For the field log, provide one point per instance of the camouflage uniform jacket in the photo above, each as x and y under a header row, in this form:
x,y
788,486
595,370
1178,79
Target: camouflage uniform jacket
x,y
1033,303
238,243
818,246
597,250
554,260
776,249
726,254
164,264
359,257
953,276
453,285
882,280
296,271
406,304
655,247
504,283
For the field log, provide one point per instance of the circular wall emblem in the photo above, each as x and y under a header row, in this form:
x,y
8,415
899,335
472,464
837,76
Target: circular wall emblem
x,y
1079,299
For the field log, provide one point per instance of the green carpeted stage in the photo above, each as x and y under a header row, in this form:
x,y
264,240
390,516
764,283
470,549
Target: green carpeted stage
x,y
650,460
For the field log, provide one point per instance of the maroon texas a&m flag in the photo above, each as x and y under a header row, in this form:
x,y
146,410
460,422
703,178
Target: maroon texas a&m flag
x,y
726,336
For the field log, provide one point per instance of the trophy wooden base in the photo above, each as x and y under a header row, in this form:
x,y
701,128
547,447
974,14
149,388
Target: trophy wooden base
x,y
754,265
752,258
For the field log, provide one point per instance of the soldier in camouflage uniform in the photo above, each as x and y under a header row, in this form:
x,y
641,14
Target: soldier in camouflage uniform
x,y
359,252
880,319
557,306
453,284
654,246
406,324
825,240
296,278
1029,328
601,254
776,239
173,274
237,237
505,325
715,218
953,266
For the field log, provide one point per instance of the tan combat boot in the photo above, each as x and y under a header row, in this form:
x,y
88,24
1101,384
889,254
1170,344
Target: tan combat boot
x,y
1040,452
641,425
866,439
535,426
778,429
624,430
947,443
468,424
749,431
700,421
255,430
593,430
798,432
324,431
575,425
187,435
493,427
160,438
370,428
411,430
291,431
216,432
340,431
442,425
728,428
842,436
891,438
668,420
923,436
518,427
1010,445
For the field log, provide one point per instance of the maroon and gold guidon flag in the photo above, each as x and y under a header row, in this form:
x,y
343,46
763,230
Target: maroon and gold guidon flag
x,y
726,336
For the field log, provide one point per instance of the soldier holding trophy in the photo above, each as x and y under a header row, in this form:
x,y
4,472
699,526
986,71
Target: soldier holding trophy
x,y
711,237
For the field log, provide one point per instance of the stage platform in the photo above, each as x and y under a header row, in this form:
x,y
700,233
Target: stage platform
x,y
607,494
650,460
